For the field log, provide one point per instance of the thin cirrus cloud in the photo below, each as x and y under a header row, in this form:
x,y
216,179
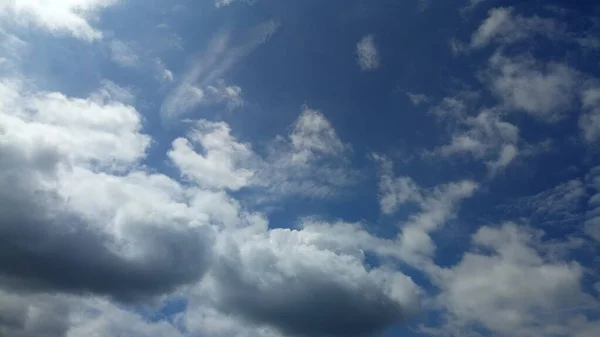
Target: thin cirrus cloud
x,y
297,213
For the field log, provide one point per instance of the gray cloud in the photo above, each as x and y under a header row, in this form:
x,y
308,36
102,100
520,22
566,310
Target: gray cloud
x,y
303,284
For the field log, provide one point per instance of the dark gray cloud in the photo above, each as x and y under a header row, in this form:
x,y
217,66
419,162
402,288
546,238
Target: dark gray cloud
x,y
46,247
300,288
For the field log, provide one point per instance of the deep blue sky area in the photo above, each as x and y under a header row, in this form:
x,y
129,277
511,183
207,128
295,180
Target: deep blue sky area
x,y
270,168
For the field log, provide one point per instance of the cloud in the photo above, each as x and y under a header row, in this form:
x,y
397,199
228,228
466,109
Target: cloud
x,y
507,286
77,216
70,17
544,91
222,164
417,99
562,202
436,206
311,161
123,54
368,56
297,282
592,222
203,83
589,121
504,27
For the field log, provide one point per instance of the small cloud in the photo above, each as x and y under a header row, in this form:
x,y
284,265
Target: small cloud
x,y
417,99
164,74
123,54
368,56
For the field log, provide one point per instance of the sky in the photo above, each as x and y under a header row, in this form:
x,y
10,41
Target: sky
x,y
271,168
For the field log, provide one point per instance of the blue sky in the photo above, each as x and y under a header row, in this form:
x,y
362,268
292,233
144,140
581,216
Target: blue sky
x,y
263,168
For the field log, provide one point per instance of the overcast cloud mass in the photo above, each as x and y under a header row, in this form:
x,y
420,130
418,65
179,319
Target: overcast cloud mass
x,y
299,168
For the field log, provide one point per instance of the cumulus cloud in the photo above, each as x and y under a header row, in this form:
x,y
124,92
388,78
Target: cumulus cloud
x,y
368,56
592,222
310,161
544,91
75,211
72,17
509,287
221,165
485,137
304,282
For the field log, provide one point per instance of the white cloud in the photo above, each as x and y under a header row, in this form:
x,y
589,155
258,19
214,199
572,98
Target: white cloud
x,y
544,91
368,56
206,73
508,287
107,133
487,138
220,166
504,27
71,17
311,161
436,207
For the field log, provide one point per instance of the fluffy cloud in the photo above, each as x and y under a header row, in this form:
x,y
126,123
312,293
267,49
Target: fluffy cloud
x,y
71,222
368,56
306,282
544,91
221,166
558,204
510,288
59,17
485,137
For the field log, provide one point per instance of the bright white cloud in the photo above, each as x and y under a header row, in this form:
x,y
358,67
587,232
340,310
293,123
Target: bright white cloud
x,y
221,165
71,17
368,56
485,137
436,207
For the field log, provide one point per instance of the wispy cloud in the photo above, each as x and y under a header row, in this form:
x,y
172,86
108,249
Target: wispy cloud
x,y
218,58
